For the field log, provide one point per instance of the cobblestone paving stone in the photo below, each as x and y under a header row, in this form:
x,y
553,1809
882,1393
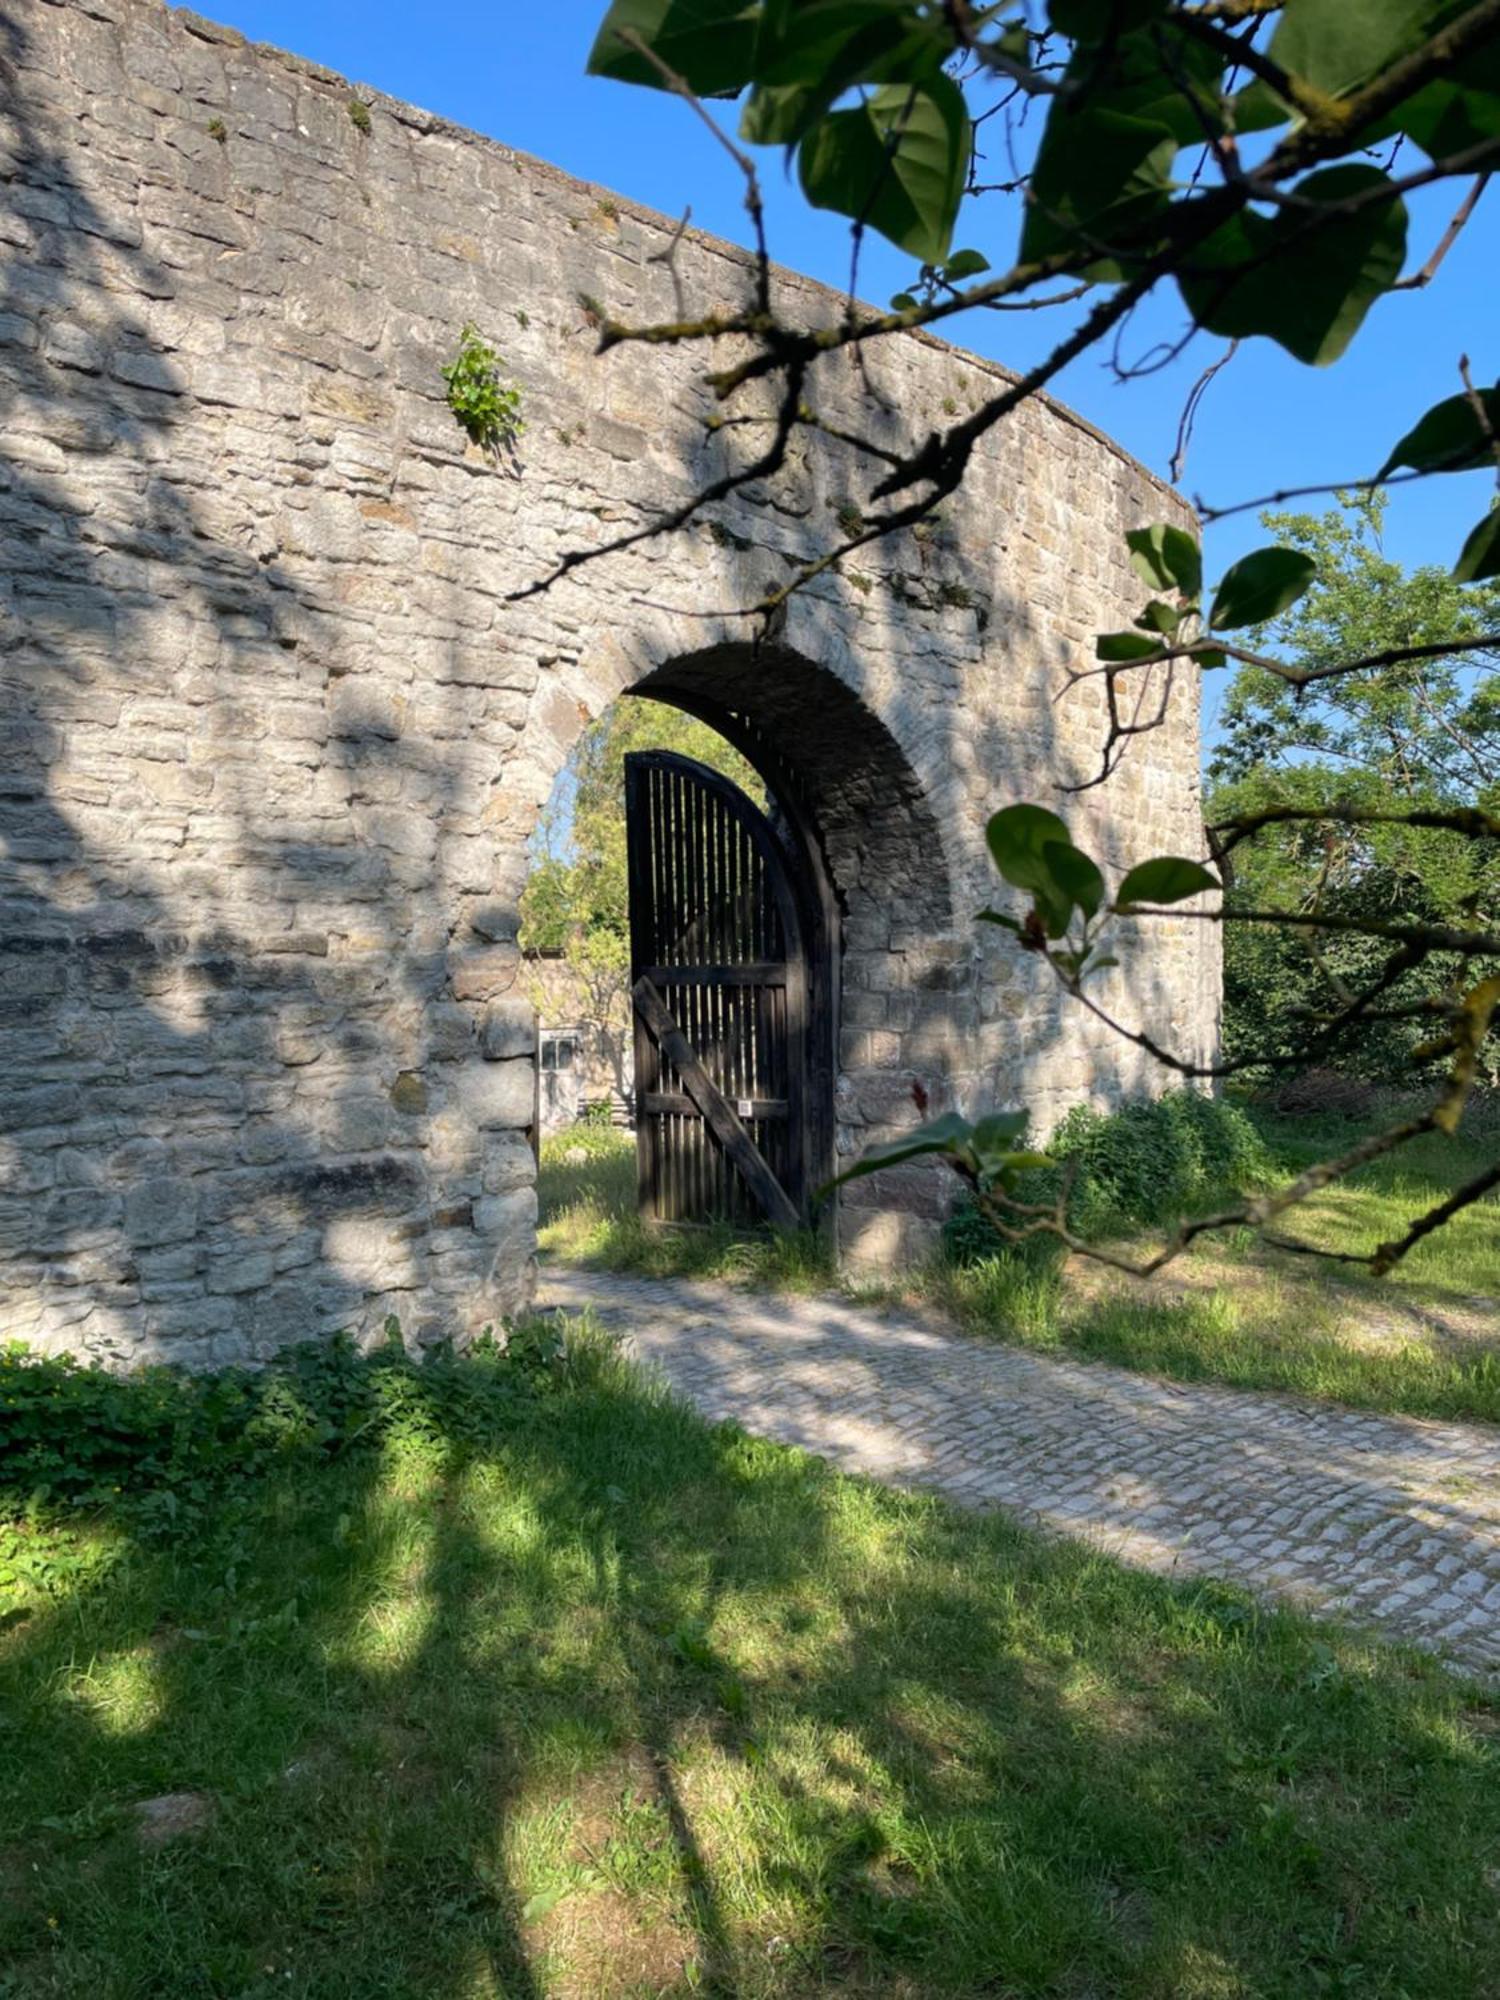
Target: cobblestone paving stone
x,y
1389,1520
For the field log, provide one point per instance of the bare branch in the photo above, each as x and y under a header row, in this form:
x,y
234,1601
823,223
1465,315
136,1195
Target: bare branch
x,y
1189,417
1296,677
771,460
1419,280
1208,514
1466,820
1481,414
1255,1211
1434,937
1388,1255
754,205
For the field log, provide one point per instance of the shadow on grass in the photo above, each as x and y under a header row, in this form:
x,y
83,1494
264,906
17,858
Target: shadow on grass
x,y
611,1702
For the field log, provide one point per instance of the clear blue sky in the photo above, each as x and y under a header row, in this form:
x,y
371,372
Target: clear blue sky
x,y
516,71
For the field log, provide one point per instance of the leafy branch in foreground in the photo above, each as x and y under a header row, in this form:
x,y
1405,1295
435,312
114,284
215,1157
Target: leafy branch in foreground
x,y
1225,151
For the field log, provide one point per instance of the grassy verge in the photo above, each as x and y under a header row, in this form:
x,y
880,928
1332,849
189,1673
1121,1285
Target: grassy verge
x,y
1425,1341
586,1190
581,1697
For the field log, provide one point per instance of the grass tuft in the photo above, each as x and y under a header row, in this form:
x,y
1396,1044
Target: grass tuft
x,y
587,1195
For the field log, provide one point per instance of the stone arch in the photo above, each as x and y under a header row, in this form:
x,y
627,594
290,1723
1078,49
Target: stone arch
x,y
899,999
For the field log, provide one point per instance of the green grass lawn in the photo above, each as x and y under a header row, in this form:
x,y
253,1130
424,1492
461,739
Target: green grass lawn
x,y
586,1191
1425,1340
607,1702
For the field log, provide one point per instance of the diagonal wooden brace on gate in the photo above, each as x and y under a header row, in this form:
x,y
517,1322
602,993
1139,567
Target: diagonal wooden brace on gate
x,y
717,1112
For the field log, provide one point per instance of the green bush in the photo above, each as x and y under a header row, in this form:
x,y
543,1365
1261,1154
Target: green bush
x,y
160,1444
969,1237
1146,1163
1149,1161
487,408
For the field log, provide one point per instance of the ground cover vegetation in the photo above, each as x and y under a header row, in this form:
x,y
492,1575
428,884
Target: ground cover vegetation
x,y
508,1676
1253,159
1425,1340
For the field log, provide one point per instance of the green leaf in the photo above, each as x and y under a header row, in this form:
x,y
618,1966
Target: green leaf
x,y
1017,836
1157,74
1094,20
1257,108
965,264
948,1135
1160,617
1260,586
1118,646
778,114
899,160
1031,849
809,54
1096,170
1167,879
1450,437
1448,117
838,43
709,43
997,1131
1006,923
996,1153
1166,558
1336,47
1307,288
1481,552
1076,874
903,302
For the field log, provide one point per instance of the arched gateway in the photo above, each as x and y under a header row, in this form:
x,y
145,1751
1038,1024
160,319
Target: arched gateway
x,y
278,727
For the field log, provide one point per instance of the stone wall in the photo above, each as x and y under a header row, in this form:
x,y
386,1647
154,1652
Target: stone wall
x,y
276,732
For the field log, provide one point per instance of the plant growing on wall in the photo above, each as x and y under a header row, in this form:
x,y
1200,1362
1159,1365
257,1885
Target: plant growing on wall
x,y
1252,160
485,406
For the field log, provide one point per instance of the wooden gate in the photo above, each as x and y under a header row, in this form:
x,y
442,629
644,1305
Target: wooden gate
x,y
719,976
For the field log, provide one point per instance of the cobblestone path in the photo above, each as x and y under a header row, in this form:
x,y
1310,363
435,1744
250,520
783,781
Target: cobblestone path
x,y
1386,1519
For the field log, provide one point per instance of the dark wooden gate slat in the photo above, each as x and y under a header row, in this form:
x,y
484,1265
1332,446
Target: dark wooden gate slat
x,y
719,936
714,1107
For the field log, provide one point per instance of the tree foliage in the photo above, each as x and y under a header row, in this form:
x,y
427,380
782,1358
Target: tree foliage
x,y
1254,158
1424,734
578,879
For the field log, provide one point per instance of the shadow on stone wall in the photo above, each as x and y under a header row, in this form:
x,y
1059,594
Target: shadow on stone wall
x,y
219,1132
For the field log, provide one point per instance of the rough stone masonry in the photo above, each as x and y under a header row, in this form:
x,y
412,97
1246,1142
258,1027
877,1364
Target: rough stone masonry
x,y
275,734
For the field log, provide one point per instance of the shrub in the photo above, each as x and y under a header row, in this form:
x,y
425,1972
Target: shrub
x,y
1145,1163
487,409
1148,1161
969,1237
160,1444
